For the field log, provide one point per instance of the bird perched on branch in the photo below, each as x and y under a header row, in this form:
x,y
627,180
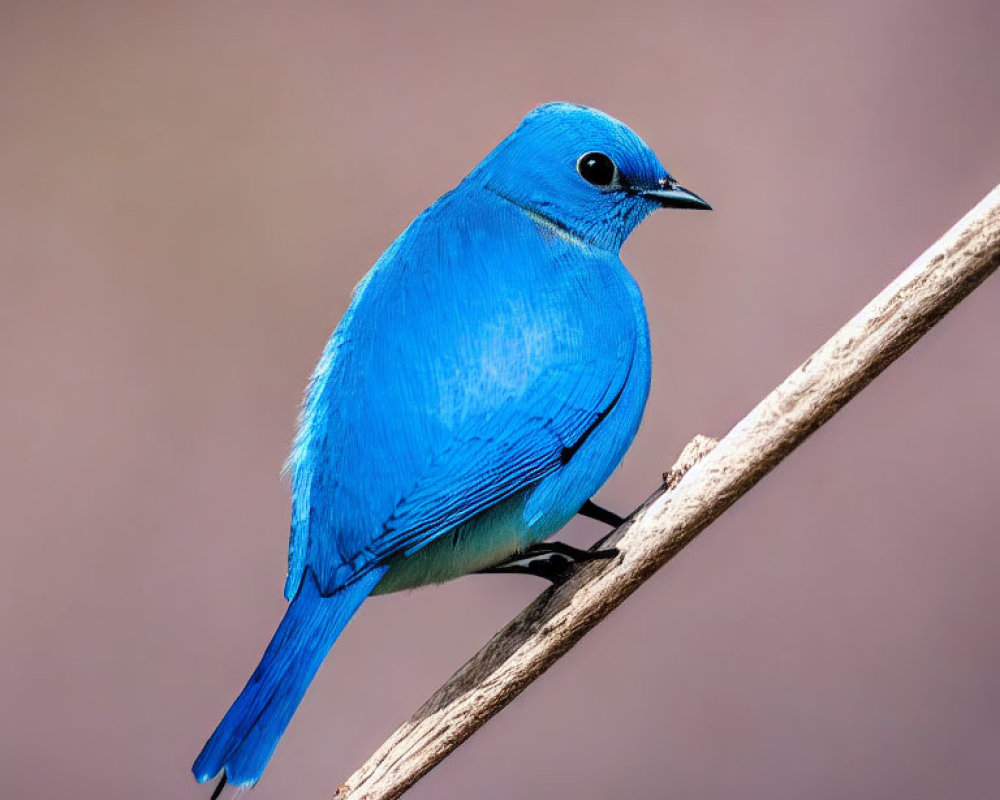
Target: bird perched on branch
x,y
488,377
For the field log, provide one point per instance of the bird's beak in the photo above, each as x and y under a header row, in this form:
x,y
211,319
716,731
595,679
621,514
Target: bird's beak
x,y
670,194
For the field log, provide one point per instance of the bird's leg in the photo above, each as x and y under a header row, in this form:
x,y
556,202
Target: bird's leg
x,y
594,511
553,561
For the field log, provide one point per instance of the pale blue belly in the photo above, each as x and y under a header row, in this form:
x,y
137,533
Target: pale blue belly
x,y
482,542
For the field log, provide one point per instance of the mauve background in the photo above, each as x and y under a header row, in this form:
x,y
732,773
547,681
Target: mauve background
x,y
188,192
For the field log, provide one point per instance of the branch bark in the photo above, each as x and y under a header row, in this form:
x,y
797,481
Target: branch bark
x,y
707,479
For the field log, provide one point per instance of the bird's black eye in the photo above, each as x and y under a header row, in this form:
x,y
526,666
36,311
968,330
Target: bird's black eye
x,y
597,168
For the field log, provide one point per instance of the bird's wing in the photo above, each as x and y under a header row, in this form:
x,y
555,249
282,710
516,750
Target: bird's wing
x,y
500,457
491,458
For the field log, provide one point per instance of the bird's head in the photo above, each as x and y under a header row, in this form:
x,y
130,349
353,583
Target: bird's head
x,y
582,171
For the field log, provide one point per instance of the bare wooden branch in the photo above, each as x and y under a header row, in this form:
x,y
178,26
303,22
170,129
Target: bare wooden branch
x,y
713,477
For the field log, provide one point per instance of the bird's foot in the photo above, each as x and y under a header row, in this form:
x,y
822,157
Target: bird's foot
x,y
554,561
594,511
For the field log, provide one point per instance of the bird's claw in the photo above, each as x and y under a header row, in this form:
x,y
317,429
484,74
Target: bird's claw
x,y
554,561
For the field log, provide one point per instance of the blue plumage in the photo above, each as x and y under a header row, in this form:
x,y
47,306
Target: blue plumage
x,y
487,378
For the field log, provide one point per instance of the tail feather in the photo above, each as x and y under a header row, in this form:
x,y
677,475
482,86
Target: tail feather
x,y
243,742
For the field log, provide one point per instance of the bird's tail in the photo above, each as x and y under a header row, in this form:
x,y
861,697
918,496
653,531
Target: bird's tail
x,y
243,742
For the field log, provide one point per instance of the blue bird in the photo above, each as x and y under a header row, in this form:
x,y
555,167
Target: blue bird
x,y
487,378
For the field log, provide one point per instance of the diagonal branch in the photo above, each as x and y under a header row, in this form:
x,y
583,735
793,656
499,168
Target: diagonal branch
x,y
715,478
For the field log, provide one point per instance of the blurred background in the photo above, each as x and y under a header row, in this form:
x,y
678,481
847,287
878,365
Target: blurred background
x,y
188,193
